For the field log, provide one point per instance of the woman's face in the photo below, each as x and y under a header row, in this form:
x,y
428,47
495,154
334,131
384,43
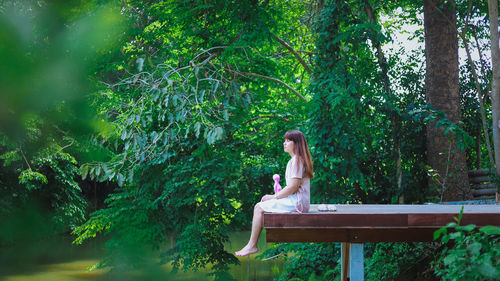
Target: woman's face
x,y
288,146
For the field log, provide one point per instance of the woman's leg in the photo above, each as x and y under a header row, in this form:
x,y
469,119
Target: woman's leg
x,y
251,246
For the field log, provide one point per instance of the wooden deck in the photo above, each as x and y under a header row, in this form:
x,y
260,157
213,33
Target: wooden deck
x,y
373,223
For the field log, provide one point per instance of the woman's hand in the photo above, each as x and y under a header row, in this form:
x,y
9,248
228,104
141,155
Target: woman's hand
x,y
267,197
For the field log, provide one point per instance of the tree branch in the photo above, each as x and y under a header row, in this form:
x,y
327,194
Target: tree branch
x,y
24,157
270,79
380,53
266,116
288,47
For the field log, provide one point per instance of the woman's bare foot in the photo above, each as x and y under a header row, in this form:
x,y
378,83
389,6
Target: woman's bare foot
x,y
247,250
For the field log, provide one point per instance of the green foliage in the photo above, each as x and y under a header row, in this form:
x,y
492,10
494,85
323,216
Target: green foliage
x,y
187,138
32,180
357,125
433,117
328,275
337,113
307,261
470,253
129,220
389,260
50,179
362,127
477,155
46,49
43,66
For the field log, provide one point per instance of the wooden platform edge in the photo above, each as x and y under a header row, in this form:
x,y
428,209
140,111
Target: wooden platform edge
x,y
368,227
351,235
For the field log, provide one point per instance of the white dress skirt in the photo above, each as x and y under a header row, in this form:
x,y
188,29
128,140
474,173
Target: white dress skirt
x,y
297,202
282,205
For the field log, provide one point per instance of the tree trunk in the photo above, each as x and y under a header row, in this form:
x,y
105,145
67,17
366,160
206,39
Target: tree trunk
x,y
442,92
495,80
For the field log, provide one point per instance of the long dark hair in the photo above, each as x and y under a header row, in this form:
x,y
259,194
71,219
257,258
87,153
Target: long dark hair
x,y
301,151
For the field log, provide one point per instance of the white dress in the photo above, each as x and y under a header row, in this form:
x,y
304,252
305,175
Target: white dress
x,y
297,202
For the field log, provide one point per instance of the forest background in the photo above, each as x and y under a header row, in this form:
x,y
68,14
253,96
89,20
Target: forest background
x,y
154,122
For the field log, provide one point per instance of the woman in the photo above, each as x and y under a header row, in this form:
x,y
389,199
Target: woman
x,y
294,197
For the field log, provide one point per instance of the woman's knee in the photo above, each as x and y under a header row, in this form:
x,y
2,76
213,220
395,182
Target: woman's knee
x,y
258,209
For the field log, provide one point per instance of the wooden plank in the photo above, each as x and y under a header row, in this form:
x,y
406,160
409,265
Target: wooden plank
x,y
335,220
479,192
485,198
482,172
315,235
484,186
442,219
479,179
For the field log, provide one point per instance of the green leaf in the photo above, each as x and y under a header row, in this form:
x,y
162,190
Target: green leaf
x,y
467,228
121,178
451,224
10,157
450,259
197,127
455,235
124,135
439,232
488,270
84,170
490,230
460,215
474,248
140,64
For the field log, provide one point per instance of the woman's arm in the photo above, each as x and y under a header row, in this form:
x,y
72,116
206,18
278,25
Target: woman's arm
x,y
289,189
